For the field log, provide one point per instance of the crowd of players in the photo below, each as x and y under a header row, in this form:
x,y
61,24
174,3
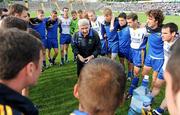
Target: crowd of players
x,y
89,35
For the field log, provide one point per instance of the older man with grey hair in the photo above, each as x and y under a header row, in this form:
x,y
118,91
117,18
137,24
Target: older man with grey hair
x,y
85,44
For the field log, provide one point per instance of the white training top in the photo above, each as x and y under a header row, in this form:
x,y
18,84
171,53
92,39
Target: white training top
x,y
137,38
65,25
97,27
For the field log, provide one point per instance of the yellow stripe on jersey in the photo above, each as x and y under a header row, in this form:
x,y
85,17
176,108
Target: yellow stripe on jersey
x,y
2,112
8,110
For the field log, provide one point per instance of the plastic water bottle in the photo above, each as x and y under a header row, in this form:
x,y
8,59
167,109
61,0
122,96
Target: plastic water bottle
x,y
141,98
77,112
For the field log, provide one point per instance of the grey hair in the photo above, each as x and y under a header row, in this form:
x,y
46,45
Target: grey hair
x,y
83,22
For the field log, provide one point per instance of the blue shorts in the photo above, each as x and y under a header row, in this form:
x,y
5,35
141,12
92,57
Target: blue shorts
x,y
156,64
52,43
125,53
104,49
44,42
138,56
113,47
65,39
161,74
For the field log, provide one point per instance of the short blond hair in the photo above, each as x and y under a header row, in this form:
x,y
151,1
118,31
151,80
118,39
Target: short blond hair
x,y
107,11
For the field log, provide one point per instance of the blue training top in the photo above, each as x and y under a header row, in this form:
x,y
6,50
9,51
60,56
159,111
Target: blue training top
x,y
39,26
52,28
111,34
155,43
124,37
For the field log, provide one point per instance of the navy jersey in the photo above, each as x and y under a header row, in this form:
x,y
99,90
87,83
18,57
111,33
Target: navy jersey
x,y
52,28
111,32
13,103
39,26
124,37
155,44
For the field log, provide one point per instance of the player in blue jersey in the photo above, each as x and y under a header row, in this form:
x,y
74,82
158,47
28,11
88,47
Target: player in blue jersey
x,y
52,25
39,24
96,25
169,36
65,37
138,35
109,30
155,57
124,43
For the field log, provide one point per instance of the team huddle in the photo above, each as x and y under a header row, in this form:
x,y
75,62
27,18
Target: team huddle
x,y
146,47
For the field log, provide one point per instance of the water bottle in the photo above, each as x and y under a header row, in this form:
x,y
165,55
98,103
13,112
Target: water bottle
x,y
77,112
141,98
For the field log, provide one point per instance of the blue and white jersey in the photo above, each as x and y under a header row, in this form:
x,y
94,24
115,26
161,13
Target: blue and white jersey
x,y
167,51
97,27
138,38
65,26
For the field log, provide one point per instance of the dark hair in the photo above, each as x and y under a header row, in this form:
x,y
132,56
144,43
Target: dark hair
x,y
101,85
17,48
54,11
3,10
34,33
40,11
122,15
73,12
65,8
14,22
172,26
17,8
132,16
157,14
80,11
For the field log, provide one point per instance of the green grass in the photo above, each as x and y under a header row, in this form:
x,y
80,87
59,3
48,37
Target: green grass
x,y
54,91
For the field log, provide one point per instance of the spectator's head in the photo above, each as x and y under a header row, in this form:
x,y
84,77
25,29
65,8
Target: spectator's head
x,y
14,22
54,15
40,14
80,14
92,15
172,79
21,58
155,18
132,20
84,26
122,19
19,11
74,14
65,12
107,14
100,88
169,32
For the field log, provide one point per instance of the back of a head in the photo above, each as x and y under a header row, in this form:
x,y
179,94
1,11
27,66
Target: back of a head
x,y
173,66
17,9
17,49
101,86
14,22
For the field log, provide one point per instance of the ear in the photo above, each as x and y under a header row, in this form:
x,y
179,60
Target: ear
x,y
75,92
16,15
30,68
173,34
